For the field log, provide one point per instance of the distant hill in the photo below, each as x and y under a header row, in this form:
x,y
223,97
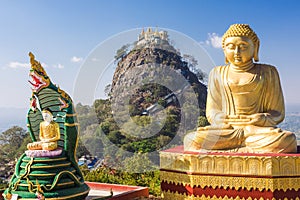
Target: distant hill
x,y
292,123
292,108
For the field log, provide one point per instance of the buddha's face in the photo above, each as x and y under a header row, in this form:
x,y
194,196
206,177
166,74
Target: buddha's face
x,y
47,117
239,50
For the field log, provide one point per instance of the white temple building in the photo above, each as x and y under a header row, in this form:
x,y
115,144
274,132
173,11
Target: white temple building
x,y
151,37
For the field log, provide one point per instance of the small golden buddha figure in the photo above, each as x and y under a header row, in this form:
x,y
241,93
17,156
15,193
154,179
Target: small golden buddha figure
x,y
244,102
49,134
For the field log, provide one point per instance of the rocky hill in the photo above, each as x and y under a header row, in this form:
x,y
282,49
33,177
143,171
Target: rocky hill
x,y
152,73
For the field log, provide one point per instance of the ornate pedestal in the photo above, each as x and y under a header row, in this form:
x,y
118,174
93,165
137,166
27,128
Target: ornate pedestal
x,y
190,175
56,177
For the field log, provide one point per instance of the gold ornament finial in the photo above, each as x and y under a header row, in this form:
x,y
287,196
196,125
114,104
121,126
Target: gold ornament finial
x,y
36,66
31,57
237,30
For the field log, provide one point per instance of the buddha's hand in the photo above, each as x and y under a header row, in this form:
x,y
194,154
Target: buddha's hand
x,y
45,140
220,118
258,119
220,121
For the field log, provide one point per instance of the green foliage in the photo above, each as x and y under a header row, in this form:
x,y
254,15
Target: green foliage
x,y
162,102
83,109
105,127
139,162
23,146
81,149
192,64
137,135
147,95
86,116
143,146
148,176
103,175
139,127
202,121
3,186
107,90
11,141
116,137
103,109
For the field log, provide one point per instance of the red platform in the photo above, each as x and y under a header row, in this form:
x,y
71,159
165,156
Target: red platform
x,y
120,192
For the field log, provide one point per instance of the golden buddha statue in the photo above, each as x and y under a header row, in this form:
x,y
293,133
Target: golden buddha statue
x,y
49,134
244,102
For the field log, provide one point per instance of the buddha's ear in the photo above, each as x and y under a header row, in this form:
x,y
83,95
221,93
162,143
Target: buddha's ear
x,y
256,48
226,60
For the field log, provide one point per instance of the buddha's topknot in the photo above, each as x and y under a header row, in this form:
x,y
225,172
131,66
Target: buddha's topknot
x,y
240,30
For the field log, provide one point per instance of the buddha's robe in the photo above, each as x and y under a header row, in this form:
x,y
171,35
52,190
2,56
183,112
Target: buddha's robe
x,y
49,135
262,94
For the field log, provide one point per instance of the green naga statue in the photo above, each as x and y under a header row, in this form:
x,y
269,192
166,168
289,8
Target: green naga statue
x,y
48,169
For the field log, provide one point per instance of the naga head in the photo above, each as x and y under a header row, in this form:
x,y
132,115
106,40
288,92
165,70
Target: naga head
x,y
38,74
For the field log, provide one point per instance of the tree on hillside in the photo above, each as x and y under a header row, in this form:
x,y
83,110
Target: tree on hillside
x,y
82,109
107,90
192,65
122,51
81,149
103,109
86,116
13,143
13,136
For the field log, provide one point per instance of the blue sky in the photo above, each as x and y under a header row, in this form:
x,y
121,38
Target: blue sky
x,y
63,33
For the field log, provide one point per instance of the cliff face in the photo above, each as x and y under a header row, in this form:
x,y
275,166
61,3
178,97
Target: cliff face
x,y
147,75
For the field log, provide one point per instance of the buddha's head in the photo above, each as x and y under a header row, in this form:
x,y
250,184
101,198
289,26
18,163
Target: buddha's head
x,y
47,115
240,44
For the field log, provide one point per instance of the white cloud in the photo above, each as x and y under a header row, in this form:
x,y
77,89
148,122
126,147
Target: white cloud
x,y
58,66
18,65
214,40
76,59
15,65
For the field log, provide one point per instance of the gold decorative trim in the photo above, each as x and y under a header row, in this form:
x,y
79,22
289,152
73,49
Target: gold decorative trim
x,y
231,164
73,171
73,124
167,195
49,166
59,184
71,115
232,182
59,175
46,160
